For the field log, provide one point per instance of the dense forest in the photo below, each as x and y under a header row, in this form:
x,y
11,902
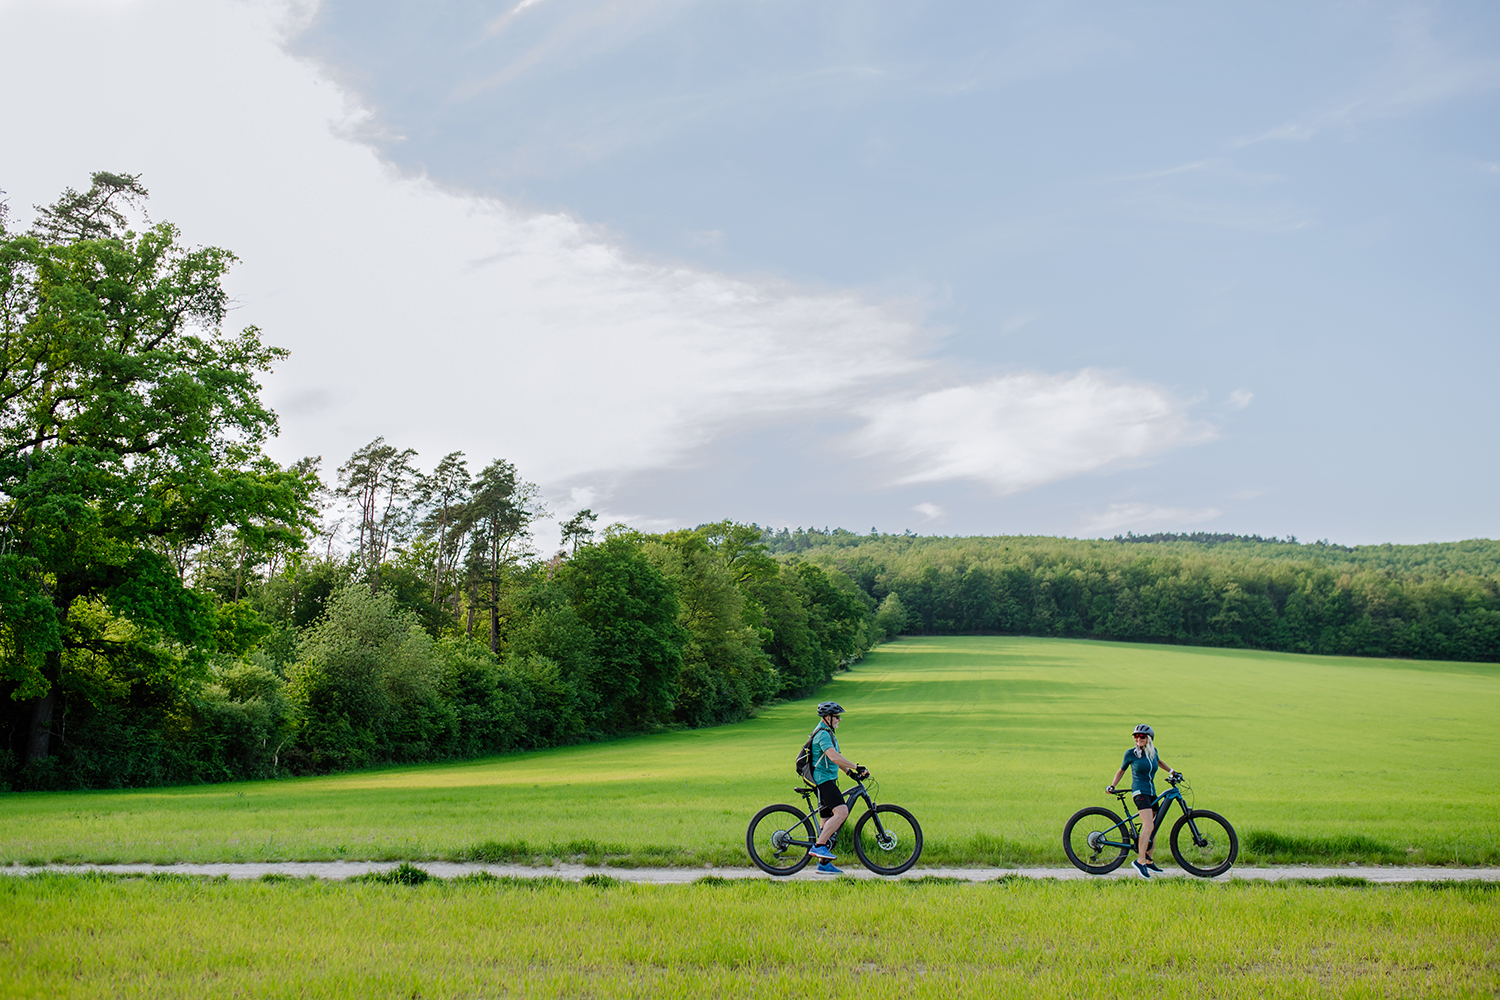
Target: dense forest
x,y
174,606
1434,601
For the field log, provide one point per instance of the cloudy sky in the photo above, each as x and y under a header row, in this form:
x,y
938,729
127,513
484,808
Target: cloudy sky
x,y
1072,268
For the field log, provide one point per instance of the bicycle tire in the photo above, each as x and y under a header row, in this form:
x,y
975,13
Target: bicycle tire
x,y
764,839
1095,821
893,851
1215,854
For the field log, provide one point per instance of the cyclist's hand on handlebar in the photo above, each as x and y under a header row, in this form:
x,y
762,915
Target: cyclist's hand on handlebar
x,y
1176,775
1111,790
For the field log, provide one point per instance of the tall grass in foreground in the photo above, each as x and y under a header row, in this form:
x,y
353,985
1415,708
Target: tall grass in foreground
x,y
72,936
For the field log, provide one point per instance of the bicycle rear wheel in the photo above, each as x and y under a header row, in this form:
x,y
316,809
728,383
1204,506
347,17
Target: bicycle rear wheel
x,y
1094,840
770,835
888,840
1204,843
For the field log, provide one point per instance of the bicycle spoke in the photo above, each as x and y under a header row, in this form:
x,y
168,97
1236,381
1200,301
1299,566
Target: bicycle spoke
x,y
1204,843
1095,841
778,839
888,840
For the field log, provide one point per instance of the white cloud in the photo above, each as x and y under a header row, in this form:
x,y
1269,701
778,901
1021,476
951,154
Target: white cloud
x,y
1240,398
436,319
1016,323
930,511
1146,516
1019,431
1420,72
1213,192
444,321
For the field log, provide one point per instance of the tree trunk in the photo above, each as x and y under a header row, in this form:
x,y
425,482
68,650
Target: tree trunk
x,y
469,634
494,617
239,573
39,743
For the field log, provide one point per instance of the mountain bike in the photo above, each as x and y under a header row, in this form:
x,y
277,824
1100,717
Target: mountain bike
x,y
887,838
1097,840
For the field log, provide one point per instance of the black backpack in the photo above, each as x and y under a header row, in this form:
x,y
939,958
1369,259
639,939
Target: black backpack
x,y
805,757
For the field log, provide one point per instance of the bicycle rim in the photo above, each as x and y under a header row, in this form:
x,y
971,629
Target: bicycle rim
x,y
769,836
1211,849
1094,840
888,840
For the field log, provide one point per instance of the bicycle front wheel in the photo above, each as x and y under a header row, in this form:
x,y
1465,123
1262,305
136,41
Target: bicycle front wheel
x,y
1094,840
771,839
888,840
1204,843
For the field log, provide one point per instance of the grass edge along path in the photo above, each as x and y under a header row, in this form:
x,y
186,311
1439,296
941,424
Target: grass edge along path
x,y
83,937
992,742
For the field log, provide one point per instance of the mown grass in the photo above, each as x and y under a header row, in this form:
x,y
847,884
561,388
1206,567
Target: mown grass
x,y
69,936
992,742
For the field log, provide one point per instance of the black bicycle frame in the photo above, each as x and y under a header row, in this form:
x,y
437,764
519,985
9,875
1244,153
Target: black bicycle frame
x,y
1162,805
853,795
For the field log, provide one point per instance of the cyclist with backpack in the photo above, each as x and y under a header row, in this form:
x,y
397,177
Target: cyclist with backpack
x,y
1142,762
823,755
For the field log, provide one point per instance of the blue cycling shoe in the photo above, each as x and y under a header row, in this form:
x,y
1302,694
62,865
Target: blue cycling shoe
x,y
1141,869
820,851
827,868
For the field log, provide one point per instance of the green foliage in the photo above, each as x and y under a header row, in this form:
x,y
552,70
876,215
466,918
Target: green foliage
x,y
630,610
1424,602
724,673
890,618
367,687
402,874
131,430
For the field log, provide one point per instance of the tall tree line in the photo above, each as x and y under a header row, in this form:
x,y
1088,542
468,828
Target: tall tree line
x,y
1435,601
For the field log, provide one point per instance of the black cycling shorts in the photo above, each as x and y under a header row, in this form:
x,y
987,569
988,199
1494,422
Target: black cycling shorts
x,y
1145,801
829,797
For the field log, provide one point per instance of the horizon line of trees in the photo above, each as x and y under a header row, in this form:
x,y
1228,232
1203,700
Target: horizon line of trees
x,y
1435,601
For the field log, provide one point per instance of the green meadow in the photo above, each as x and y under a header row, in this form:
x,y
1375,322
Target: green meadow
x,y
71,936
992,742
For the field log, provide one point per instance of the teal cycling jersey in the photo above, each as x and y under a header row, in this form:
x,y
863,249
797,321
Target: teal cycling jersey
x,y
1142,771
823,768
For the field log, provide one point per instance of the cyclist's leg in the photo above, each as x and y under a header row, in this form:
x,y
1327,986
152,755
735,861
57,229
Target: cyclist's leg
x,y
833,811
1148,815
831,825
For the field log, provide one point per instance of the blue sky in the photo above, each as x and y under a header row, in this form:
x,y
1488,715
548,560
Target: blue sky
x,y
1063,268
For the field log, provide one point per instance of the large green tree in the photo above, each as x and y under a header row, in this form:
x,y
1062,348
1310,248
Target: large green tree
x,y
630,610
130,427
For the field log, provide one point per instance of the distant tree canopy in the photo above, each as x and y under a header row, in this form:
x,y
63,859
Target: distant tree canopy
x,y
1436,601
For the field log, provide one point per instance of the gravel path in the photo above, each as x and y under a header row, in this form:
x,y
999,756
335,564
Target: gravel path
x,y
450,869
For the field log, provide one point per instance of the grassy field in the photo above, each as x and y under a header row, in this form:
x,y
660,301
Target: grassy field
x,y
69,936
992,742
